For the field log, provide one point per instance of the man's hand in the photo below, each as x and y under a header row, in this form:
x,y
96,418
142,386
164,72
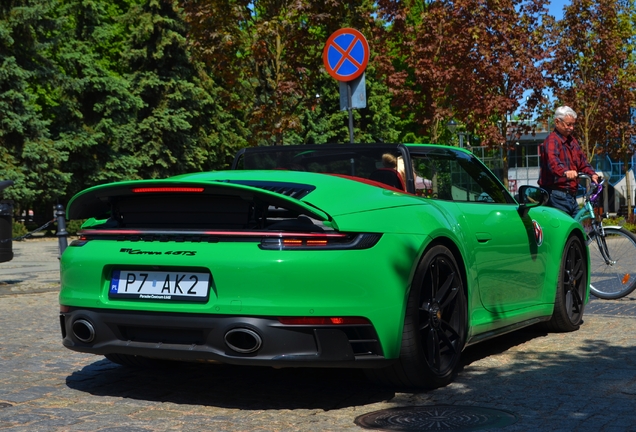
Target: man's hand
x,y
572,174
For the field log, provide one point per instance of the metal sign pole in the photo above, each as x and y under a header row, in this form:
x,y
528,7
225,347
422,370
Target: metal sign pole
x,y
350,107
345,56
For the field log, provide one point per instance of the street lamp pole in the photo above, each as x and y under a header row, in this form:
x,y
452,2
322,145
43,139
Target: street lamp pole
x,y
452,128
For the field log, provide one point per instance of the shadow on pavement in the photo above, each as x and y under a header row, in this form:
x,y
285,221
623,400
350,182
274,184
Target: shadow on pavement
x,y
500,344
263,388
523,366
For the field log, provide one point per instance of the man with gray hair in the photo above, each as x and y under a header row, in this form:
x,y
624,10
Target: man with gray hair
x,y
561,160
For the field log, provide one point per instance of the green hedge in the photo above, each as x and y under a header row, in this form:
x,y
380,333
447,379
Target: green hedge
x,y
620,221
18,229
73,226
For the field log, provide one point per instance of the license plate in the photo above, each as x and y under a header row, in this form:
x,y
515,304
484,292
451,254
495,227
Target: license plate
x,y
166,286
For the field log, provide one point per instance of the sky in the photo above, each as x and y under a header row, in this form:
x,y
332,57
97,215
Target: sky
x,y
556,7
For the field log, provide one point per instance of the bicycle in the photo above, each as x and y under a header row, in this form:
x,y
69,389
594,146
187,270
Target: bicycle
x,y
613,260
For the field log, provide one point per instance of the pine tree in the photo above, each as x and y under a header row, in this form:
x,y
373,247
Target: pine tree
x,y
28,154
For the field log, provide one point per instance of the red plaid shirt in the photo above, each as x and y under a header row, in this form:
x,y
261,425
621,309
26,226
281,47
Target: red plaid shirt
x,y
557,155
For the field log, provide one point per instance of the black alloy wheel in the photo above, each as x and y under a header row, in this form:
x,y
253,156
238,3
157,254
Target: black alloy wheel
x,y
571,288
434,327
442,315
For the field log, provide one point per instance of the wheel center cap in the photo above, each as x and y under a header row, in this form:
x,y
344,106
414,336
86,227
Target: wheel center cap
x,y
436,314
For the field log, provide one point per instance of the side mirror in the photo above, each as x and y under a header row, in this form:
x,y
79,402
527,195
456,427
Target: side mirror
x,y
531,196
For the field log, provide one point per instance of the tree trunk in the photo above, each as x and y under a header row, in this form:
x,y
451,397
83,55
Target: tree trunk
x,y
504,167
628,190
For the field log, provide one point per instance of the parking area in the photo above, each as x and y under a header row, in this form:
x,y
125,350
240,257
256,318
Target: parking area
x,y
581,381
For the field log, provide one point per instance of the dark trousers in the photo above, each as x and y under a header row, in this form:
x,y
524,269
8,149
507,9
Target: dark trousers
x,y
563,201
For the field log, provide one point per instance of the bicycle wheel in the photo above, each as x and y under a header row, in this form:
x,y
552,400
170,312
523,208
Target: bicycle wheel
x,y
617,278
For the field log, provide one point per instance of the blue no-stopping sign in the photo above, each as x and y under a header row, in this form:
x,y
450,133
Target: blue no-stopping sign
x,y
346,54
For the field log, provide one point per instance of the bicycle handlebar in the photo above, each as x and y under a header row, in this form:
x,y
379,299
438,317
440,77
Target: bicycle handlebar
x,y
584,176
592,193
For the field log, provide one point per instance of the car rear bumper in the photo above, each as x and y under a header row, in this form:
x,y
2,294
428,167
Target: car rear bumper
x,y
240,340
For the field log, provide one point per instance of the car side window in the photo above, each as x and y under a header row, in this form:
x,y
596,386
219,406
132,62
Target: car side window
x,y
456,176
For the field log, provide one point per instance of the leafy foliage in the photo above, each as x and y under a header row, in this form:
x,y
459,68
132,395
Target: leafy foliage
x,y
99,91
465,59
267,55
28,154
136,105
103,90
593,71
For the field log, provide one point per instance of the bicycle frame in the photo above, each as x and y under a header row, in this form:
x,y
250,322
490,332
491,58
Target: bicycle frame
x,y
587,212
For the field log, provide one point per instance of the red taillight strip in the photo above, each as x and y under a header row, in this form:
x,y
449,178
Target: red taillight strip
x,y
116,232
323,320
167,189
351,241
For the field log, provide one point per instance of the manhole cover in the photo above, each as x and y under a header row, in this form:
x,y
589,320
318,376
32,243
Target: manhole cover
x,y
436,418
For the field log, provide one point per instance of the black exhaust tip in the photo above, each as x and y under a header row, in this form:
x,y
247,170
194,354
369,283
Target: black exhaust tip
x,y
83,330
243,340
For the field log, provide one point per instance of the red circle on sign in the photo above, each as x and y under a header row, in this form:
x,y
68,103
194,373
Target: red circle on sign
x,y
355,54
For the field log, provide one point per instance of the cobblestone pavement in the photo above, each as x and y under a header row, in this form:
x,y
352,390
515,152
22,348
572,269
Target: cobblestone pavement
x,y
35,267
580,381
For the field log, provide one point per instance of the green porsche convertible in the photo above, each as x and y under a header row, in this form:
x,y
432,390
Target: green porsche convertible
x,y
388,257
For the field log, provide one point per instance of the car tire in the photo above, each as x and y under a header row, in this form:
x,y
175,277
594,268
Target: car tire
x,y
434,326
571,289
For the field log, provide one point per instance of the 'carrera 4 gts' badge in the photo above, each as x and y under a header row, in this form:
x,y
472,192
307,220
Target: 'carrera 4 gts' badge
x,y
140,252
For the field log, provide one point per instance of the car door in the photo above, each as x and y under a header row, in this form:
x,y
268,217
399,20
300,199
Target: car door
x,y
508,264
